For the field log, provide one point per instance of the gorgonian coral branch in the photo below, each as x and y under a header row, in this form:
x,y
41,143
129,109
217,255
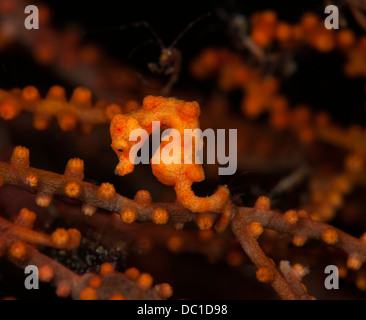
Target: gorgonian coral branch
x,y
299,225
18,241
21,230
48,184
293,276
215,247
69,56
267,271
108,284
78,111
247,223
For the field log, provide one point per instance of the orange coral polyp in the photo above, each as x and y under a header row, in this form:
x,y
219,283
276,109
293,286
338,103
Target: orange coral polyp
x,y
46,273
73,189
30,93
82,95
60,237
18,250
9,110
176,114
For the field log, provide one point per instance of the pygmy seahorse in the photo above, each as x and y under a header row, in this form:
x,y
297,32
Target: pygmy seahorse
x,y
171,113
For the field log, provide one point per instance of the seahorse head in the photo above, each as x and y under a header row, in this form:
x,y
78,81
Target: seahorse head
x,y
120,129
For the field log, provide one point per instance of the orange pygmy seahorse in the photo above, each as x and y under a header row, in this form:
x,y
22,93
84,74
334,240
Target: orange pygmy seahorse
x,y
175,114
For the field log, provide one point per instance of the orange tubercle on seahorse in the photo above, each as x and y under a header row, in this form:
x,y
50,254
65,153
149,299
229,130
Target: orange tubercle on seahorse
x,y
175,114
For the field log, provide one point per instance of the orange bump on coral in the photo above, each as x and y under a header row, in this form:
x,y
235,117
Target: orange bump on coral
x,y
342,271
81,95
56,93
263,203
300,270
323,41
60,237
63,290
165,290
20,157
116,296
43,199
256,228
106,191
88,209
46,273
143,196
18,250
88,293
30,93
345,38
159,216
41,121
330,236
264,274
261,37
268,17
25,218
95,281
309,22
354,263
291,217
128,215
335,198
283,32
74,238
342,183
75,168
106,268
361,281
132,273
204,221
9,110
144,281
31,180
73,189
67,122
299,241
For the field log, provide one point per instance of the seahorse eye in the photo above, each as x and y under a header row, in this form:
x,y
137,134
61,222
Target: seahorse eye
x,y
120,150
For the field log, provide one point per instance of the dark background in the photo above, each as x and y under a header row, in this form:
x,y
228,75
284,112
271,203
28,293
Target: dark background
x,y
319,82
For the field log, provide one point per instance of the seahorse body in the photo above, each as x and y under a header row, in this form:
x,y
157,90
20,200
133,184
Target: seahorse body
x,y
172,113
